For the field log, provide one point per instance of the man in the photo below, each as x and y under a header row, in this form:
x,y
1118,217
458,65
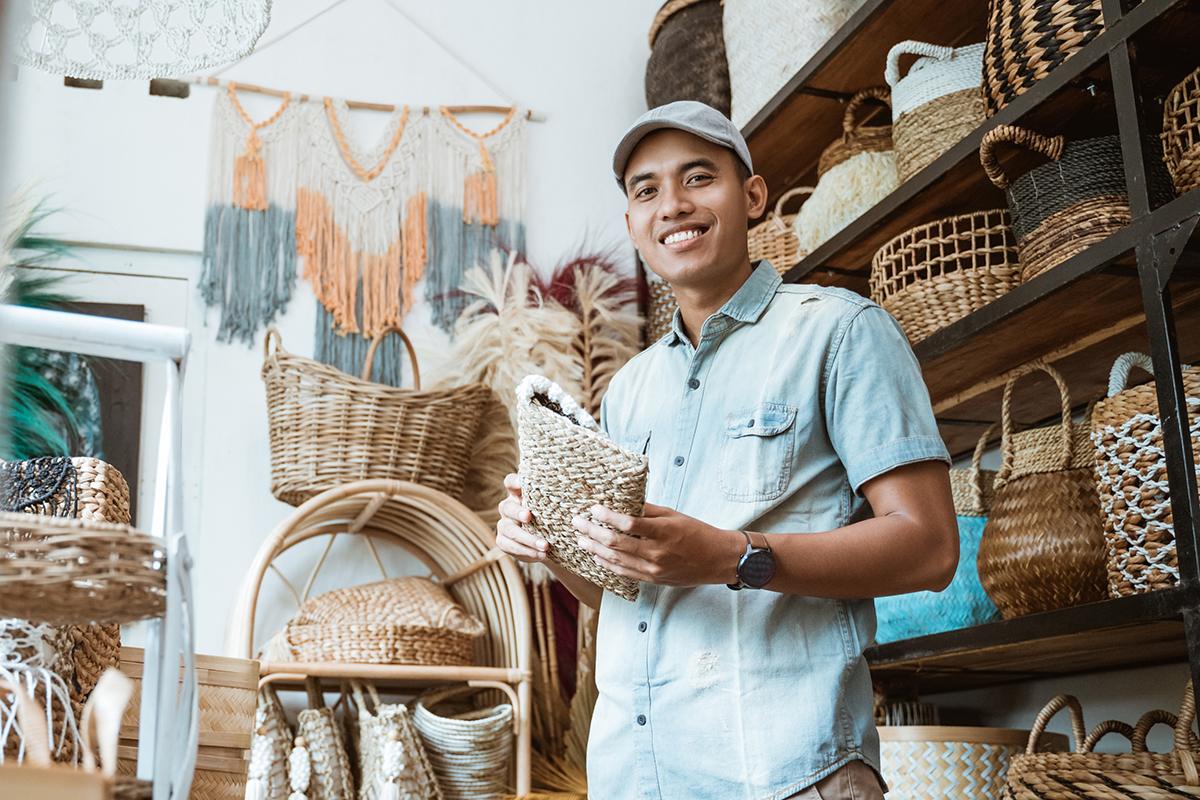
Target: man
x,y
769,413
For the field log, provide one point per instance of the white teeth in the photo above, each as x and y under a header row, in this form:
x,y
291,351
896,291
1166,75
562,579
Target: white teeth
x,y
681,236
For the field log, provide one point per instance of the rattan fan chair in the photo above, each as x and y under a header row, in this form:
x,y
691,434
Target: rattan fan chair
x,y
459,551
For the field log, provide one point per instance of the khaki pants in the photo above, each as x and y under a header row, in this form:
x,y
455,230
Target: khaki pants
x,y
855,781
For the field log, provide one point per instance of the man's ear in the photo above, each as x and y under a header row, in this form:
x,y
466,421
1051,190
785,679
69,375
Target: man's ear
x,y
629,228
756,196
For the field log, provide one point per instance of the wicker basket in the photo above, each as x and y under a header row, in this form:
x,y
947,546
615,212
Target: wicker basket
x,y
768,41
471,751
227,698
1181,133
1026,39
936,274
774,239
1060,209
1043,545
936,762
330,774
661,309
936,104
856,137
1087,775
329,428
687,55
1131,472
568,465
371,731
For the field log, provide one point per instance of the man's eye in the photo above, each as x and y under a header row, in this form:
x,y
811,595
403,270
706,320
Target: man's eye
x,y
699,178
643,192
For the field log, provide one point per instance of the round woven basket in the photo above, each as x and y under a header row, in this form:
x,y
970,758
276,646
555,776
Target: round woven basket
x,y
470,751
1026,39
774,238
687,55
1131,471
568,465
1181,133
936,274
329,428
1043,545
974,489
856,137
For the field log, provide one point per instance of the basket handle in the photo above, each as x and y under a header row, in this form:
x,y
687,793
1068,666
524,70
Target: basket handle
x,y
1185,740
356,687
1006,435
272,334
316,699
881,93
1104,728
104,710
33,725
412,354
1053,707
1051,148
891,73
976,472
789,194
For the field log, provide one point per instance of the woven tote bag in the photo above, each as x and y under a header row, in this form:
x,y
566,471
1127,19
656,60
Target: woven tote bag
x,y
963,603
328,765
855,172
471,751
774,238
936,104
1181,133
687,55
1087,775
1043,545
267,777
329,428
374,732
568,465
1131,473
768,41
936,274
1026,39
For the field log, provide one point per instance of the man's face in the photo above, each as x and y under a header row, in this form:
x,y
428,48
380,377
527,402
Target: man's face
x,y
688,211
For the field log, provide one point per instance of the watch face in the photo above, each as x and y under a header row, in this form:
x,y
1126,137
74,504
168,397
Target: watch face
x,y
757,569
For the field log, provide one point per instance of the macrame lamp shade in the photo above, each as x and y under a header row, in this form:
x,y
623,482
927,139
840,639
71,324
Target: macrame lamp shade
x,y
137,39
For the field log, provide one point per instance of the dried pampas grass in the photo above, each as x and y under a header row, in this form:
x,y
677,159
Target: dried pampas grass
x,y
844,193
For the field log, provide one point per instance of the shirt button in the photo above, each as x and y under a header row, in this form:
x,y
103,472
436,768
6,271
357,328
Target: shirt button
x,y
642,627
750,424
679,461
641,719
694,383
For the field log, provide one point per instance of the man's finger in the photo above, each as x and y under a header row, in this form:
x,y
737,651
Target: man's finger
x,y
622,522
516,535
599,533
513,510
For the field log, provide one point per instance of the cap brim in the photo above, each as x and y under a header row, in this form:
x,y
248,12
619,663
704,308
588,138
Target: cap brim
x,y
636,134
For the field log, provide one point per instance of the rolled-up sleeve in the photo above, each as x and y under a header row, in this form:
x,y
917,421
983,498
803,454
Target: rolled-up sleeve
x,y
877,409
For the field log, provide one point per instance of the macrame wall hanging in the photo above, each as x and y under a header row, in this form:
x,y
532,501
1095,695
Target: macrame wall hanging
x,y
361,227
477,202
137,39
249,263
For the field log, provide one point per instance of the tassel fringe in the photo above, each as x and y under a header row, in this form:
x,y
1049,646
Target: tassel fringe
x,y
479,199
416,246
250,177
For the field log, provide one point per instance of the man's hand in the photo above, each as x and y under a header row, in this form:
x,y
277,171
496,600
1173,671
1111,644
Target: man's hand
x,y
663,547
511,538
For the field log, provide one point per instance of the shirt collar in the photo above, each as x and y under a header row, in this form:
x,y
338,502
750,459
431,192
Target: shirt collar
x,y
747,304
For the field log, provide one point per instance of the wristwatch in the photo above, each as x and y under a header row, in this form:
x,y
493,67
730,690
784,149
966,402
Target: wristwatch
x,y
756,567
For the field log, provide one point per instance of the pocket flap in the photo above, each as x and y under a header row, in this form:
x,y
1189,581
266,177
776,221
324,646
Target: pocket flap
x,y
768,419
636,443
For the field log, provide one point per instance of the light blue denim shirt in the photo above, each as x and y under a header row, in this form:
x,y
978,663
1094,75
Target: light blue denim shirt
x,y
796,396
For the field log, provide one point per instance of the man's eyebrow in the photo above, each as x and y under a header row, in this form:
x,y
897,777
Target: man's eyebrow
x,y
643,176
707,163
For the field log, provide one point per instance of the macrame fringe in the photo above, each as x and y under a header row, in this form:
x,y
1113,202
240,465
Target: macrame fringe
x,y
250,177
479,199
416,244
348,352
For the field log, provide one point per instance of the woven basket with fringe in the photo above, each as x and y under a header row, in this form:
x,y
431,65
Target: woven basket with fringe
x,y
329,765
768,41
1061,208
407,620
568,465
774,239
269,748
1181,133
1026,39
370,731
934,762
936,274
1043,545
329,428
687,55
471,750
1088,775
1131,472
936,104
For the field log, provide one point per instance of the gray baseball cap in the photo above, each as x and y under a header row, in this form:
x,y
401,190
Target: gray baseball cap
x,y
685,115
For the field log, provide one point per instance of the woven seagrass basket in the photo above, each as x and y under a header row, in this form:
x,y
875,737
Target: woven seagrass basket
x,y
774,238
1181,133
330,774
370,726
568,465
1088,775
687,55
1026,39
936,274
936,762
1043,545
471,750
661,309
1131,473
936,104
857,137
329,428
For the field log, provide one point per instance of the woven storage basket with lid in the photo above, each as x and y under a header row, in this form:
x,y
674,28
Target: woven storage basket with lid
x,y
687,55
1043,545
1088,775
406,620
471,751
936,104
1181,133
775,239
329,428
936,274
567,466
1026,39
1131,472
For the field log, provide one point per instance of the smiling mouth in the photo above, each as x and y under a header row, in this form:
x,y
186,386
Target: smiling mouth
x,y
680,237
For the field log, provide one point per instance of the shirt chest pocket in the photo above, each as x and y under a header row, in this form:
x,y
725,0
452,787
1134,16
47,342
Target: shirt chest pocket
x,y
756,453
